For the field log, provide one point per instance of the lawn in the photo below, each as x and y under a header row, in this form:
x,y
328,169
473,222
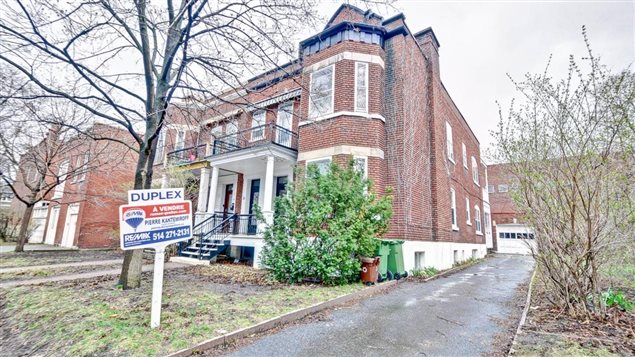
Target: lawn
x,y
29,258
93,317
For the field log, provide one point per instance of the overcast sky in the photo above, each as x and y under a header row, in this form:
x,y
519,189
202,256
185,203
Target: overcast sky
x,y
482,41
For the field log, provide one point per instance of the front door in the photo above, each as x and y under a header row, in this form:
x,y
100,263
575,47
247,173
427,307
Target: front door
x,y
254,196
284,122
228,207
38,221
52,225
68,238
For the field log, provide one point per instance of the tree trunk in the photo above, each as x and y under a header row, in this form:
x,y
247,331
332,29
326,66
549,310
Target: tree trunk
x,y
130,277
24,225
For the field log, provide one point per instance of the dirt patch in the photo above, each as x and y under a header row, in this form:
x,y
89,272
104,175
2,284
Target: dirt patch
x,y
30,258
550,331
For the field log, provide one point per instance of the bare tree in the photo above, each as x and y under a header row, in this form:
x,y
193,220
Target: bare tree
x,y
570,146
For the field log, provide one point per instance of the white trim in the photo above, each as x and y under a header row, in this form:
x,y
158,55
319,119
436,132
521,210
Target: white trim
x,y
223,116
355,89
343,113
475,177
467,211
449,142
477,220
464,150
257,124
365,173
353,56
341,150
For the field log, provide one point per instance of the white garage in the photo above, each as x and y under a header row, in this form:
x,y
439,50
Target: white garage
x,y
514,238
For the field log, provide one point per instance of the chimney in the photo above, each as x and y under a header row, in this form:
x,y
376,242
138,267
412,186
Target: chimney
x,y
428,42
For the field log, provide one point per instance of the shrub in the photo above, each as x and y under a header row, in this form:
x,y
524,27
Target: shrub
x,y
324,224
424,272
617,298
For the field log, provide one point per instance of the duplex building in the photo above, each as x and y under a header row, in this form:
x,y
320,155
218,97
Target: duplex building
x,y
366,89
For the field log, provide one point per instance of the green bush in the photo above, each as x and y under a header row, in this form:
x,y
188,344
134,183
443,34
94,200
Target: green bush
x,y
424,272
617,298
323,225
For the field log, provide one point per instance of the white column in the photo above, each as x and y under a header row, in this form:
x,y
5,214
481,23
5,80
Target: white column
x,y
203,189
213,186
268,197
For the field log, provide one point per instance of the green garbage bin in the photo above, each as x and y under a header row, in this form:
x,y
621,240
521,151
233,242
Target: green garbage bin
x,y
382,251
395,260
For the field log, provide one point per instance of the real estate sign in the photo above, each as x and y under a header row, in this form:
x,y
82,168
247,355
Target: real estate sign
x,y
149,226
155,219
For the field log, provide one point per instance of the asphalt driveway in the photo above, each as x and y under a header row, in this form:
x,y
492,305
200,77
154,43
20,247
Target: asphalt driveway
x,y
453,316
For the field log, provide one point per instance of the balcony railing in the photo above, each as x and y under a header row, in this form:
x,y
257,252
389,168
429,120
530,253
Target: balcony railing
x,y
259,135
187,155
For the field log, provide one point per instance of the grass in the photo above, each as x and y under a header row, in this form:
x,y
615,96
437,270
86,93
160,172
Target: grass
x,y
49,272
94,318
30,258
560,348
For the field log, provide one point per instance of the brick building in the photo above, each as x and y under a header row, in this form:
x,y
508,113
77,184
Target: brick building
x,y
511,234
365,88
82,210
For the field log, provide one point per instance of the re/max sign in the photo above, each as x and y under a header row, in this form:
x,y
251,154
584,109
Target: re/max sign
x,y
155,196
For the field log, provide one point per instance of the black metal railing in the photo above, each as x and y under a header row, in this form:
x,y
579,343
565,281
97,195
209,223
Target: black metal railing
x,y
187,155
258,135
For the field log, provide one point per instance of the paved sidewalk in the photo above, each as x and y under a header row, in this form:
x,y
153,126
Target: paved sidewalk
x,y
452,316
93,274
65,265
8,248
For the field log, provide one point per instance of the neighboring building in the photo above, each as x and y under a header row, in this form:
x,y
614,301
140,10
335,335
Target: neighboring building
x,y
364,89
6,196
511,234
82,211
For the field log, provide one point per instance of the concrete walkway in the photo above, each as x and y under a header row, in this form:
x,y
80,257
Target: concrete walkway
x,y
8,248
64,265
92,274
453,316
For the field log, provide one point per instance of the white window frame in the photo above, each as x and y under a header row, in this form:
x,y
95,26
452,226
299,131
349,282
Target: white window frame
x,y
453,217
158,155
256,123
502,188
312,161
231,132
464,155
420,260
355,96
311,108
179,144
62,171
477,220
449,139
467,211
82,174
365,169
475,171
491,189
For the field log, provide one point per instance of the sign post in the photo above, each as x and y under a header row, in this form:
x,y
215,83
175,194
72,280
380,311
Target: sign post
x,y
155,219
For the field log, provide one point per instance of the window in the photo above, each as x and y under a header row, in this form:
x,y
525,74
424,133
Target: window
x,y
321,164
456,256
453,209
515,235
420,260
61,176
361,87
488,228
448,134
503,188
474,253
82,167
477,219
217,131
464,155
231,132
360,164
179,143
158,156
491,189
321,92
474,171
258,125
284,124
467,211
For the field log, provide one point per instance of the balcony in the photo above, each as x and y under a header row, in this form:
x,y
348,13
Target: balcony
x,y
188,156
256,136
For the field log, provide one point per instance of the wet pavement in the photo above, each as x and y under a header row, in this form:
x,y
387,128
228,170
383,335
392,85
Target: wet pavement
x,y
451,316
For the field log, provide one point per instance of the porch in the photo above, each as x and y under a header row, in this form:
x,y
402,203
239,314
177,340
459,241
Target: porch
x,y
240,171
